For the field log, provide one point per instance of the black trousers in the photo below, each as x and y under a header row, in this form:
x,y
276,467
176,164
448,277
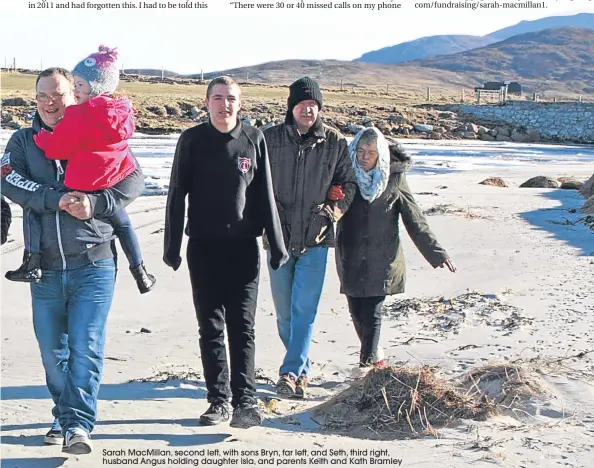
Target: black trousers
x,y
366,313
224,277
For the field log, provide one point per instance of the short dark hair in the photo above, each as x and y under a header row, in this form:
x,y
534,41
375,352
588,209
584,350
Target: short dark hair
x,y
368,136
54,71
226,80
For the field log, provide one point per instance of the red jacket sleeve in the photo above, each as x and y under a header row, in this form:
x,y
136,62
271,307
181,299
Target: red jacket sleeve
x,y
65,139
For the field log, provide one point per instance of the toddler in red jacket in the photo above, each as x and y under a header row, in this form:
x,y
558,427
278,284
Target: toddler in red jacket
x,y
92,136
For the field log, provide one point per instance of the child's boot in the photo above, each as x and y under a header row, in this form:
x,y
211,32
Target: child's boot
x,y
144,280
29,271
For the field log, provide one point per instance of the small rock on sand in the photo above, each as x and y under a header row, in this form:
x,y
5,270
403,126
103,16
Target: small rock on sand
x,y
494,182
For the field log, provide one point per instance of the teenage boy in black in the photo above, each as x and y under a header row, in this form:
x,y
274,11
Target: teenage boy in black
x,y
222,166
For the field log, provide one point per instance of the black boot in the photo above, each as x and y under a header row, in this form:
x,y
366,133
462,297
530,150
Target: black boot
x,y
144,280
29,271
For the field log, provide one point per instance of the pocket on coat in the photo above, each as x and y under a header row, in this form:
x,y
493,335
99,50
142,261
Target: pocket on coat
x,y
318,229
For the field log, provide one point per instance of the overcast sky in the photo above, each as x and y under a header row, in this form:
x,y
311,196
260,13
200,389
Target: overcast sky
x,y
220,37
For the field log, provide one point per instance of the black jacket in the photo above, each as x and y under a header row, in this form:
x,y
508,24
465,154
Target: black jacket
x,y
6,219
226,177
302,172
35,182
369,255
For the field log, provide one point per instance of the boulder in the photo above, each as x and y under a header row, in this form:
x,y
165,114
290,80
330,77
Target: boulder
x,y
157,110
487,137
540,182
470,127
482,130
398,119
570,183
6,117
502,137
469,135
384,127
15,124
588,207
423,128
518,137
354,128
532,136
173,110
16,102
503,131
186,106
494,182
587,189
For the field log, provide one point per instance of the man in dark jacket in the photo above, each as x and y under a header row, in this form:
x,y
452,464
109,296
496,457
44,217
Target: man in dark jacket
x,y
307,158
6,219
222,166
72,301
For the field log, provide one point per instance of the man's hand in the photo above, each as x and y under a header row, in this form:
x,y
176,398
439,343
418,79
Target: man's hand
x,y
449,264
335,193
77,204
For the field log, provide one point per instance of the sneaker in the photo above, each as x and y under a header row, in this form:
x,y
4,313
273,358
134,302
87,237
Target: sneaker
x,y
301,386
29,271
77,442
285,386
246,415
216,413
54,435
144,280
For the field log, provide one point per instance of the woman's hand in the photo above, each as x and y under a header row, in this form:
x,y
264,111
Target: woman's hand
x,y
335,193
449,264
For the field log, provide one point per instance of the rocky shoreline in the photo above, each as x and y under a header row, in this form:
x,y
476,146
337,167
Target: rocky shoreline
x,y
160,115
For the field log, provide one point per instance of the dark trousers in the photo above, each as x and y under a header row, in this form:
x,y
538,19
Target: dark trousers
x,y
224,276
366,313
122,227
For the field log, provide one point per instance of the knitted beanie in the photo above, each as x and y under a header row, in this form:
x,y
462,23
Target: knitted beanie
x,y
302,90
100,70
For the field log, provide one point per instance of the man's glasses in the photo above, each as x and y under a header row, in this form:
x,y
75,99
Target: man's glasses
x,y
41,97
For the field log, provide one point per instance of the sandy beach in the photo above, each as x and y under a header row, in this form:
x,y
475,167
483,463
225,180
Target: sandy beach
x,y
515,247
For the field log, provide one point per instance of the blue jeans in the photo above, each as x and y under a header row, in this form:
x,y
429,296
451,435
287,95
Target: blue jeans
x,y
70,309
296,290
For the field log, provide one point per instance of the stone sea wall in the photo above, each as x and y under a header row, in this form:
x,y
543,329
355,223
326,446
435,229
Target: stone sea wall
x,y
561,121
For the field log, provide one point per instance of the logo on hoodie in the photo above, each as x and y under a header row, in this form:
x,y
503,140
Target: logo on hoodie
x,y
244,164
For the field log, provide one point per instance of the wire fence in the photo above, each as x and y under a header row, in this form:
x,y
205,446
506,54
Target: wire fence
x,y
405,92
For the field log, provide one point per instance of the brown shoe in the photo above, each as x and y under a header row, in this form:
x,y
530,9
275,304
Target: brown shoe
x,y
285,386
301,386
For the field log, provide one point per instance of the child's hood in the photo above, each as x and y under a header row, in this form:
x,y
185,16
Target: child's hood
x,y
115,116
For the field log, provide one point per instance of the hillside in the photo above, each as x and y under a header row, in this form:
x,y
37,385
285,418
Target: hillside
x,y
426,47
563,54
351,74
431,46
581,20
